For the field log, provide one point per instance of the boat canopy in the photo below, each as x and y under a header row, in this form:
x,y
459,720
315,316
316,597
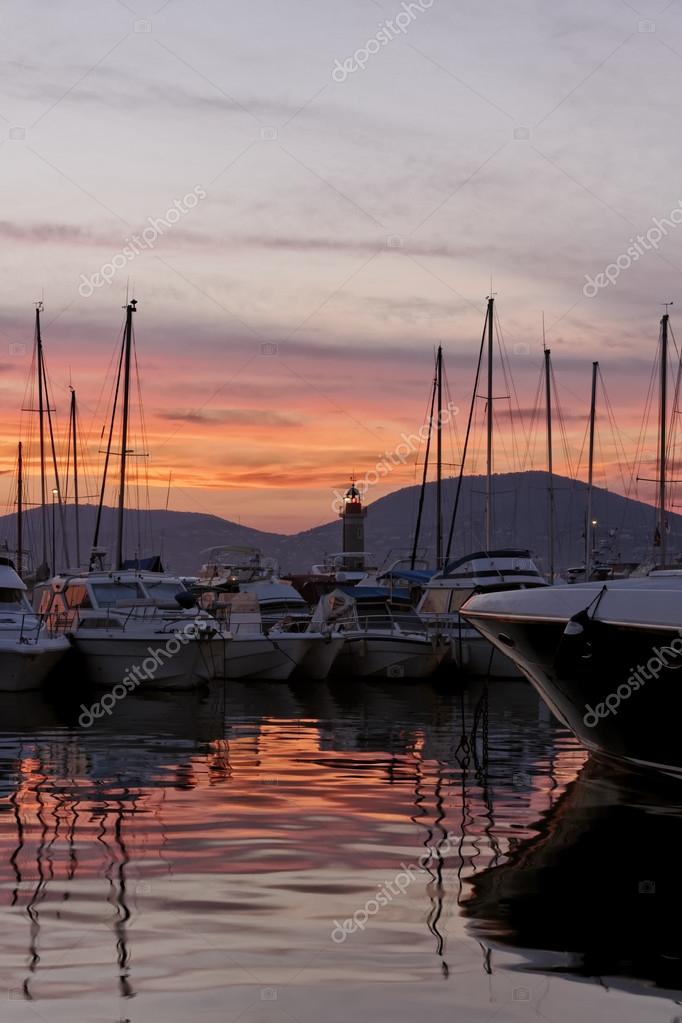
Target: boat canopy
x,y
152,564
409,575
505,552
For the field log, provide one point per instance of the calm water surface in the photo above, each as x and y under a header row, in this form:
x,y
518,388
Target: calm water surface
x,y
330,853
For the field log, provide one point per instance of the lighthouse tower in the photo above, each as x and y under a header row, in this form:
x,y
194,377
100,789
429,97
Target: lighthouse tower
x,y
353,516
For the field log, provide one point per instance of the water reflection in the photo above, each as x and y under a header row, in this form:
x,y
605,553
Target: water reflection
x,y
599,884
188,857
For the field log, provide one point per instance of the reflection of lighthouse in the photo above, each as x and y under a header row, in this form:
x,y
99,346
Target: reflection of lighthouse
x,y
353,516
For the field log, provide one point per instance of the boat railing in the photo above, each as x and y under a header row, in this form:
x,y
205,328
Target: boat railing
x,y
388,620
30,625
118,618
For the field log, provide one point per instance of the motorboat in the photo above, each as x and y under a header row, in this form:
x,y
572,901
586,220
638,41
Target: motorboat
x,y
131,619
384,637
606,658
250,650
28,650
245,570
497,571
284,613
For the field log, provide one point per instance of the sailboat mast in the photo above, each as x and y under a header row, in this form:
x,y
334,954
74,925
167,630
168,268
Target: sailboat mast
x,y
439,461
663,414
41,417
550,460
425,472
590,476
489,434
74,441
130,309
20,510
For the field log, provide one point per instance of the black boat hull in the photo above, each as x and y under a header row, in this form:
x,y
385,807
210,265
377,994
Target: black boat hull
x,y
618,688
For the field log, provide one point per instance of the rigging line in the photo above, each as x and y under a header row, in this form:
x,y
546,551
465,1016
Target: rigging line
x,y
644,423
672,432
422,493
62,513
472,408
529,457
562,424
503,366
621,453
98,520
503,350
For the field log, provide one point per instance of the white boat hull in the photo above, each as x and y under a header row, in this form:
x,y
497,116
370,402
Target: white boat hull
x,y
369,655
319,661
263,657
110,658
472,653
25,666
475,655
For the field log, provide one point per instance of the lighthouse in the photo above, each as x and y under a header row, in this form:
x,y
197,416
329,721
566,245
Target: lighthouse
x,y
353,517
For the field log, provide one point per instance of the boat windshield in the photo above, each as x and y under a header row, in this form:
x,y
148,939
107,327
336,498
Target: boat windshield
x,y
109,594
163,589
436,601
12,600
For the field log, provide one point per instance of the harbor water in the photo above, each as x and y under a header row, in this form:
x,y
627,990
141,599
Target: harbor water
x,y
282,852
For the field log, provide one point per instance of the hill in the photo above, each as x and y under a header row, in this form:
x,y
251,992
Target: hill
x,y
521,516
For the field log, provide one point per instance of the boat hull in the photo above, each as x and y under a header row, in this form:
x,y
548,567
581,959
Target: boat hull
x,y
263,657
474,655
594,684
321,657
25,666
382,656
110,658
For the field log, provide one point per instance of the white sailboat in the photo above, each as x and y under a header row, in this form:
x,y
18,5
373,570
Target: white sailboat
x,y
119,618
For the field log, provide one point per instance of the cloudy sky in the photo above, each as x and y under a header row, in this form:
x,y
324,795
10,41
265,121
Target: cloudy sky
x,y
353,219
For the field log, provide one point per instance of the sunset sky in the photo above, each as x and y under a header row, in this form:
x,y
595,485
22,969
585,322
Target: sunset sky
x,y
286,323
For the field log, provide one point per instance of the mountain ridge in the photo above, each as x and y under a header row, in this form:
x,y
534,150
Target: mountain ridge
x,y
625,526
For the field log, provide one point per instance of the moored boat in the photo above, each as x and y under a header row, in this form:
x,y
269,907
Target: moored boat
x,y
28,651
383,637
606,658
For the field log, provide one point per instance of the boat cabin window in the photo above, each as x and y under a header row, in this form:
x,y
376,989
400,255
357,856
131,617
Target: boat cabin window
x,y
460,597
437,601
163,590
283,607
109,594
12,600
77,596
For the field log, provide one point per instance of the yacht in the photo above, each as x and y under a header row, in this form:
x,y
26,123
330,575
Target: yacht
x,y
605,655
606,658
446,591
383,635
251,650
122,620
284,614
28,651
245,570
